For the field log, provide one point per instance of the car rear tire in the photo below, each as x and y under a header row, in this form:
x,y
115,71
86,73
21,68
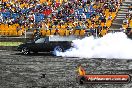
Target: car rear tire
x,y
58,49
25,51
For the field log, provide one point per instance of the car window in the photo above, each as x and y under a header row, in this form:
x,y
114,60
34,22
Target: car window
x,y
46,40
41,40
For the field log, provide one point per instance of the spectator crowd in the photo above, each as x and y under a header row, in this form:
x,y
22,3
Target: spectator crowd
x,y
127,22
57,17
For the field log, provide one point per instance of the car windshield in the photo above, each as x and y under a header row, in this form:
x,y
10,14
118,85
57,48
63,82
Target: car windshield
x,y
41,40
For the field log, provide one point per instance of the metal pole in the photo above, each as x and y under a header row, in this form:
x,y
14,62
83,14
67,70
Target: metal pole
x,y
25,33
96,33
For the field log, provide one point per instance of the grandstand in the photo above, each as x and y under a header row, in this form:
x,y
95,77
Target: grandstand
x,y
59,17
123,15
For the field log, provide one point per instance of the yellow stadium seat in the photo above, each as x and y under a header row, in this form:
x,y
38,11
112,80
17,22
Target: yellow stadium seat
x,y
70,24
53,31
14,33
24,29
5,0
42,1
102,24
113,15
58,26
26,5
61,32
130,24
67,32
49,3
125,26
6,33
97,17
95,25
6,26
21,5
108,23
107,10
94,6
2,27
17,25
53,27
20,33
10,33
103,32
48,24
82,32
89,22
34,31
10,27
57,1
63,27
117,9
43,32
2,33
77,32
48,33
107,15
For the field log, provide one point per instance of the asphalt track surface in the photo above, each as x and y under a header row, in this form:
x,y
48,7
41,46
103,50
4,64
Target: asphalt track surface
x,y
46,71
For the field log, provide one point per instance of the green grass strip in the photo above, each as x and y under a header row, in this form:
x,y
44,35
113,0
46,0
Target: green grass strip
x,y
10,43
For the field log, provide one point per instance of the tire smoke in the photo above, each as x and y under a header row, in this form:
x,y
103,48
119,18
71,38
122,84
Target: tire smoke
x,y
112,45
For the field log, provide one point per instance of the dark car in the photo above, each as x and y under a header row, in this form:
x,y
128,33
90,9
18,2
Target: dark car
x,y
47,44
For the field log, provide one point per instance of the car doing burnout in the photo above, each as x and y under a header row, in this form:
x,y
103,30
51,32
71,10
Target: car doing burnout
x,y
47,44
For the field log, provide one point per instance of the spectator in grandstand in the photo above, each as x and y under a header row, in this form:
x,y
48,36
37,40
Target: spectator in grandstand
x,y
78,27
105,6
37,35
130,9
103,19
83,17
109,17
126,20
84,25
92,31
112,7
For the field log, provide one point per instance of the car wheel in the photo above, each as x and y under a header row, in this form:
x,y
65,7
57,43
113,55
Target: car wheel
x,y
25,51
58,49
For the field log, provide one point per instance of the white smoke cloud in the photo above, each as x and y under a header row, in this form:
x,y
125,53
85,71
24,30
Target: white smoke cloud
x,y
112,45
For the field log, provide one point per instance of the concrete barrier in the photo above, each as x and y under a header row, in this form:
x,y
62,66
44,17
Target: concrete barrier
x,y
10,48
13,39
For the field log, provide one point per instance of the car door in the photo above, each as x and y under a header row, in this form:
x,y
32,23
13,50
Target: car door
x,y
39,45
46,45
43,45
